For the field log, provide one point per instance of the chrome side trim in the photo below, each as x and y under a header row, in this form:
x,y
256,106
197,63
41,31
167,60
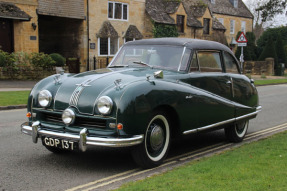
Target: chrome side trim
x,y
83,138
209,126
258,109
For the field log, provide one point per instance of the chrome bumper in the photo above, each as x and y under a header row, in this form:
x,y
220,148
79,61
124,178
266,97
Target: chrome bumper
x,y
83,138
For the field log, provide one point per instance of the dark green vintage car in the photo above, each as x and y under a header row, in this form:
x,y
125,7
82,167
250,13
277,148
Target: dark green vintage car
x,y
152,91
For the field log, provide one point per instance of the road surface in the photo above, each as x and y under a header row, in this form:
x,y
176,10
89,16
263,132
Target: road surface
x,y
28,166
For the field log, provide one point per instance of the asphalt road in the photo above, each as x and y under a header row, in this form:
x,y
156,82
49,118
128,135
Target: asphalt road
x,y
28,166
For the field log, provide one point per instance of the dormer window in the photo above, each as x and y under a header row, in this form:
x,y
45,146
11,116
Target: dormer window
x,y
212,1
234,3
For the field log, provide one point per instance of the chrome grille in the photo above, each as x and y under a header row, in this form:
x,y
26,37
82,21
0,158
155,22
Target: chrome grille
x,y
80,121
55,118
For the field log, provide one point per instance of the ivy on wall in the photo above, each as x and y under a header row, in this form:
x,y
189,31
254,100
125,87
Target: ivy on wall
x,y
164,30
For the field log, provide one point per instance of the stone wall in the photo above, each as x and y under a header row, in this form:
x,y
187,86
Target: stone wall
x,y
259,67
24,73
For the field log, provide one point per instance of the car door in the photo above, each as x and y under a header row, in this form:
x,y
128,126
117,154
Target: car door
x,y
243,90
213,100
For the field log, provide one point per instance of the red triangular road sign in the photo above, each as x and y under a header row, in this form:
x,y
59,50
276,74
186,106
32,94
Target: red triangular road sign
x,y
242,38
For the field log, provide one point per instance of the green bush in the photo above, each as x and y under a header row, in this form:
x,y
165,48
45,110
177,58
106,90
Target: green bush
x,y
59,59
41,60
6,59
164,30
22,58
2,60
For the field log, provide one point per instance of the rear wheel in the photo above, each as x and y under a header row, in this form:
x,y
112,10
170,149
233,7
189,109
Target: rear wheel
x,y
153,150
237,132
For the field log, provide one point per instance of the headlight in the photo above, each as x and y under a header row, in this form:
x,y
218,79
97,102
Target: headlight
x,y
44,98
68,116
105,105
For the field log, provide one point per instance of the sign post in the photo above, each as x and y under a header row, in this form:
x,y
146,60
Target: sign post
x,y
242,41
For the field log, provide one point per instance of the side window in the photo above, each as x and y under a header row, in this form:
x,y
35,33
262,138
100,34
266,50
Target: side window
x,y
230,63
209,61
194,63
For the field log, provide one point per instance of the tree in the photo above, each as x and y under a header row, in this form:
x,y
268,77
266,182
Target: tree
x,y
265,12
268,10
280,50
270,52
271,33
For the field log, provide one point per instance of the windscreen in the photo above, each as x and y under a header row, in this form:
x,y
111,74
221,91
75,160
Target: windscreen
x,y
156,56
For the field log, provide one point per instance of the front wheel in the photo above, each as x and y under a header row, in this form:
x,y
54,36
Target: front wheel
x,y
237,132
153,150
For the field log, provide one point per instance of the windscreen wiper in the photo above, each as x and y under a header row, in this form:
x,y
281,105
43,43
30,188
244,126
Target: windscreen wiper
x,y
118,66
142,63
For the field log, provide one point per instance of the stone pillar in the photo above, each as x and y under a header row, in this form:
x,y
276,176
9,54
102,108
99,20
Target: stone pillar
x,y
270,65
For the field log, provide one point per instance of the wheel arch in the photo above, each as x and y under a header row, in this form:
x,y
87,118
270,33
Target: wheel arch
x,y
172,117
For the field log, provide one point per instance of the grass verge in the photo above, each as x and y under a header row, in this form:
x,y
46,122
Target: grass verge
x,y
20,97
256,166
13,98
270,81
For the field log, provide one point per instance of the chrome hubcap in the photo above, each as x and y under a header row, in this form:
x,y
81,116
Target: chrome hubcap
x,y
156,138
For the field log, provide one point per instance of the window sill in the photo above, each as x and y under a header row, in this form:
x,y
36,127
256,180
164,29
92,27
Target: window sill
x,y
118,19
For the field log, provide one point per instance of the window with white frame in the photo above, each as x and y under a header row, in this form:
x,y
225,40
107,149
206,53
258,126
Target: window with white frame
x,y
221,20
118,11
243,26
108,46
235,3
232,26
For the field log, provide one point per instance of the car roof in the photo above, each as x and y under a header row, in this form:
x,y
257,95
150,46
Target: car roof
x,y
196,44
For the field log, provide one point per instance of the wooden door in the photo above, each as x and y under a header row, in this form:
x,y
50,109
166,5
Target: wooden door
x,y
6,35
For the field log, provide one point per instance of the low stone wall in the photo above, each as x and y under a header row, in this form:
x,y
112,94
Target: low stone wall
x,y
259,67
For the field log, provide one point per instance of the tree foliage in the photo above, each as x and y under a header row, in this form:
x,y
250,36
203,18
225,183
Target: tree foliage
x,y
164,30
265,14
270,9
271,33
280,50
269,51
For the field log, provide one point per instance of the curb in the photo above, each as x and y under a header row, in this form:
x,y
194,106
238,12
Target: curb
x,y
12,107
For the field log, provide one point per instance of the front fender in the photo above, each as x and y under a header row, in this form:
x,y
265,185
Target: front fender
x,y
137,103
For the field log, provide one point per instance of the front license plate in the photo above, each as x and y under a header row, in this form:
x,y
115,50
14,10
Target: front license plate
x,y
59,143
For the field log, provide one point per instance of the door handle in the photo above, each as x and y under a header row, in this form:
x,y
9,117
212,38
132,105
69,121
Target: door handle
x,y
228,82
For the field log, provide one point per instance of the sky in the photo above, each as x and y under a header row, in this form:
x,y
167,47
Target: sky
x,y
279,20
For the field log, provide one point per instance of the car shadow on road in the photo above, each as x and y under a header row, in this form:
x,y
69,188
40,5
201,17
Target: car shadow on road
x,y
101,159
